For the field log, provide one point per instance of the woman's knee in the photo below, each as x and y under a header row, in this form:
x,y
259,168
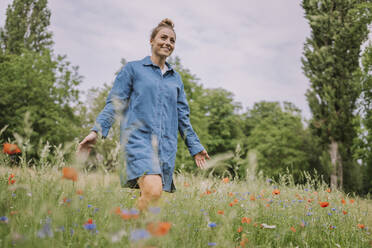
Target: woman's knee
x,y
151,186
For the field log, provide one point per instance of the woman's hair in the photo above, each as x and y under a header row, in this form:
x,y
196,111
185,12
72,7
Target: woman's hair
x,y
165,23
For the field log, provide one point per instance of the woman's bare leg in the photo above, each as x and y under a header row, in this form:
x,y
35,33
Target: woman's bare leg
x,y
151,188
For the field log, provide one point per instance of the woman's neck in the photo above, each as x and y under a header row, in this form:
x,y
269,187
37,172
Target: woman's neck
x,y
160,61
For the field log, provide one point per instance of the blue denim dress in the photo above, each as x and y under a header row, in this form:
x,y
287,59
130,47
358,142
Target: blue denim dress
x,y
152,108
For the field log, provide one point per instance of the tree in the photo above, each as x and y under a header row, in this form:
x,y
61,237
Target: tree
x,y
279,138
33,79
26,27
331,62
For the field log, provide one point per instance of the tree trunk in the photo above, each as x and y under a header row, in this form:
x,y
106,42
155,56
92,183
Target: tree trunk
x,y
333,152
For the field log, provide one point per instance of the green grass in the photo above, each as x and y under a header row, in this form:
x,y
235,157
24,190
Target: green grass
x,y
36,201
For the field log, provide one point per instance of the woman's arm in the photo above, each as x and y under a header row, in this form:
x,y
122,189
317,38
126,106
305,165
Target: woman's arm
x,y
116,102
187,132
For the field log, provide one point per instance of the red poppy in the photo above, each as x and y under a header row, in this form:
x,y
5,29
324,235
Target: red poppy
x,y
231,194
220,212
226,180
329,190
252,198
90,221
69,173
186,184
351,201
10,179
246,220
240,229
276,192
79,192
159,229
361,226
344,212
293,229
324,204
243,242
11,149
231,204
236,200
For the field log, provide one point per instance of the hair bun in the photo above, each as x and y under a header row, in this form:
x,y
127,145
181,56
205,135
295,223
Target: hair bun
x,y
167,22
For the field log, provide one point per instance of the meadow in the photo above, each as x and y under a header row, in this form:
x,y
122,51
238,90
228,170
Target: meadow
x,y
42,207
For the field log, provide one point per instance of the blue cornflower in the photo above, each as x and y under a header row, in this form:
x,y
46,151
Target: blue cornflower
x,y
46,231
89,205
306,189
333,209
212,224
81,197
212,244
309,214
90,226
300,201
4,219
133,211
139,234
71,231
329,214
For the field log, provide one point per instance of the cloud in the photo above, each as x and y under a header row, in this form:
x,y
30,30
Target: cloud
x,y
251,48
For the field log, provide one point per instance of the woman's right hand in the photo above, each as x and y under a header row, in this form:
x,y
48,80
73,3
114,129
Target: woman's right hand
x,y
86,145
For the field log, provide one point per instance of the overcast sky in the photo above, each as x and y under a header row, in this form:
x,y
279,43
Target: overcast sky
x,y
251,48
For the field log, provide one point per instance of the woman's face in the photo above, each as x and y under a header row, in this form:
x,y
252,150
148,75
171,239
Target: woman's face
x,y
164,42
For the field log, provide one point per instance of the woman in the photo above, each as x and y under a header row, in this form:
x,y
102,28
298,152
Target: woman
x,y
149,97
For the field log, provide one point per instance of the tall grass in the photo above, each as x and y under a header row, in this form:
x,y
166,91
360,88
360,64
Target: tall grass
x,y
44,210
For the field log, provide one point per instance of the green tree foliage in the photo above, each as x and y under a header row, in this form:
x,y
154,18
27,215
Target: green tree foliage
x,y
365,144
279,138
331,62
33,79
26,27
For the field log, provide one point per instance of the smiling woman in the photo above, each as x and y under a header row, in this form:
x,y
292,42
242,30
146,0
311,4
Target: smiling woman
x,y
149,97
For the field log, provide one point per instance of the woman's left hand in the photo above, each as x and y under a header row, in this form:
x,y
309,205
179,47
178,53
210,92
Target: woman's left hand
x,y
200,158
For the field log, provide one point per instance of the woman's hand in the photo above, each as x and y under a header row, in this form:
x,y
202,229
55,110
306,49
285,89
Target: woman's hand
x,y
86,145
200,158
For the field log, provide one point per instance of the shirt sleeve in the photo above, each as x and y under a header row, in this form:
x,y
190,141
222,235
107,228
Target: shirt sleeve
x,y
184,126
116,102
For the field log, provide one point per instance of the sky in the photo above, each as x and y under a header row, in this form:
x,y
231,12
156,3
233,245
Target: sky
x,y
252,48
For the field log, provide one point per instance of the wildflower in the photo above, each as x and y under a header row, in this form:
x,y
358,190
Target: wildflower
x,y
212,224
332,227
46,231
333,209
252,198
343,201
240,229
306,190
4,219
220,212
89,205
330,214
276,192
351,201
212,244
293,229
186,184
69,173
344,212
329,190
303,223
309,214
79,192
246,220
208,192
66,200
139,234
231,204
13,212
89,225
361,226
324,204
243,242
231,194
10,179
159,229
225,180
11,149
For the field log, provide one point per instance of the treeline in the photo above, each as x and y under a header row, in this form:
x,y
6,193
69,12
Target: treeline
x,y
269,138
